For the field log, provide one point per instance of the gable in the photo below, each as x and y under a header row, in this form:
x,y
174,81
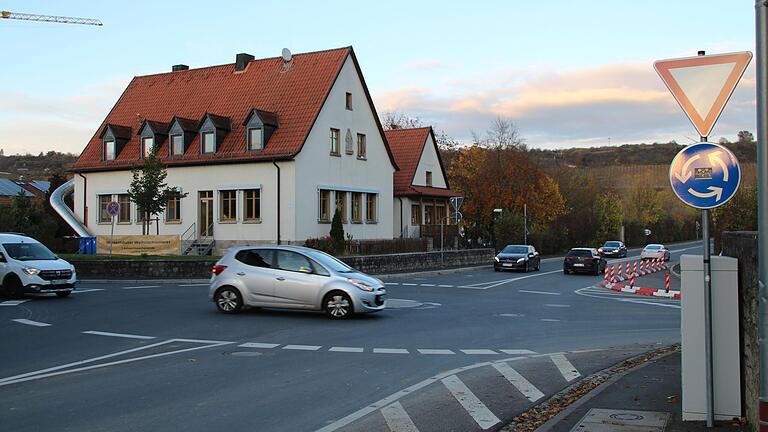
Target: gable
x,y
429,161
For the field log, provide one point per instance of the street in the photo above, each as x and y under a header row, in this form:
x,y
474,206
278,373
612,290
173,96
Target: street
x,y
455,350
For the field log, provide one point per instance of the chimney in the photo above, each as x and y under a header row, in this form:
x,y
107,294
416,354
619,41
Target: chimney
x,y
241,61
179,67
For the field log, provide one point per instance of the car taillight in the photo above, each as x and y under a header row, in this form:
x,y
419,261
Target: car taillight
x,y
218,269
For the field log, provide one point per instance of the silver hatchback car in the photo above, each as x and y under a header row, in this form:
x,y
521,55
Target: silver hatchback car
x,y
292,277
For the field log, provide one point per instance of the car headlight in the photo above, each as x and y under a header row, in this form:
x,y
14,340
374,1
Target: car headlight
x,y
360,284
600,250
496,259
31,271
521,260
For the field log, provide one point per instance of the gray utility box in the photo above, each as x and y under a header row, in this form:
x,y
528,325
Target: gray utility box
x,y
726,368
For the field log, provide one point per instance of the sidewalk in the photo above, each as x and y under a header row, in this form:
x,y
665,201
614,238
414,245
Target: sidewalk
x,y
652,386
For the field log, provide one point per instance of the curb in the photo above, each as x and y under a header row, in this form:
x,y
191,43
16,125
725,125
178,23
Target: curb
x,y
653,292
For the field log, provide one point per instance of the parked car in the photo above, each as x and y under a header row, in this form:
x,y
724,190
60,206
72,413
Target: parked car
x,y
292,277
584,260
27,266
613,249
517,257
655,251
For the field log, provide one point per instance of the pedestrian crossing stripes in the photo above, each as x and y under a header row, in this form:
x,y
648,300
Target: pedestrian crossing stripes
x,y
523,385
474,406
388,350
397,419
565,367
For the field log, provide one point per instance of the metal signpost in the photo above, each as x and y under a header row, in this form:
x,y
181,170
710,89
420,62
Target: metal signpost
x,y
704,175
113,209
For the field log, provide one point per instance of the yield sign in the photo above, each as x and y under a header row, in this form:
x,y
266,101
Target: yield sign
x,y
702,85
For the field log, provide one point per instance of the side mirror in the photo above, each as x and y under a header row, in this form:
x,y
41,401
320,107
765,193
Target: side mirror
x,y
305,270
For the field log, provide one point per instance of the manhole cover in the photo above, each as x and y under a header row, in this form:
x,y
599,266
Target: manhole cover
x,y
245,354
616,420
626,416
402,304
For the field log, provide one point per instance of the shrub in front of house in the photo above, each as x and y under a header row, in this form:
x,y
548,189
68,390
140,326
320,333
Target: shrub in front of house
x,y
323,243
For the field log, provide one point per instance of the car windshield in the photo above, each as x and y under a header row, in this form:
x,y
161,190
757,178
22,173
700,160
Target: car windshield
x,y
515,250
29,252
580,253
612,244
330,262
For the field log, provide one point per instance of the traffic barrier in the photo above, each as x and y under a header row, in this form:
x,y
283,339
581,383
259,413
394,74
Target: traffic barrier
x,y
613,273
666,283
632,281
605,278
634,268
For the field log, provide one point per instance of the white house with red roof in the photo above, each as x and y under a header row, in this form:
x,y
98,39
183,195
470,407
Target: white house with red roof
x,y
265,150
421,189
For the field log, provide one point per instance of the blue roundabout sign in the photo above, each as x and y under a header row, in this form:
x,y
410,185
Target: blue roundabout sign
x,y
705,175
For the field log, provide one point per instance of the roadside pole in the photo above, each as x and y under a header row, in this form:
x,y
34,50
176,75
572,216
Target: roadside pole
x,y
761,21
525,224
708,317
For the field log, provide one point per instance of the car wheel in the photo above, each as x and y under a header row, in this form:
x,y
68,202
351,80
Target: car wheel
x,y
338,305
11,286
538,266
527,267
228,300
496,269
63,294
565,271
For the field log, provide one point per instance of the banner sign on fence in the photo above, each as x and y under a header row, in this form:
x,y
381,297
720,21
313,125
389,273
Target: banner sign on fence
x,y
139,244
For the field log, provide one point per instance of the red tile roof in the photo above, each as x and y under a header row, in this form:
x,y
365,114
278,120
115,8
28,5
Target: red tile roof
x,y
407,146
296,94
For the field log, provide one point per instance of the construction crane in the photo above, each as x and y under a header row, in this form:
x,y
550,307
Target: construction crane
x,y
49,18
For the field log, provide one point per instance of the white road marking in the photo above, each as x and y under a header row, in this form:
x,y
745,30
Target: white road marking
x,y
565,367
193,285
434,351
141,287
390,351
391,283
204,341
669,305
446,286
474,407
478,351
517,351
347,349
514,315
557,305
397,419
258,345
120,335
409,284
302,347
539,292
30,322
523,385
427,285
13,302
40,374
82,291
549,320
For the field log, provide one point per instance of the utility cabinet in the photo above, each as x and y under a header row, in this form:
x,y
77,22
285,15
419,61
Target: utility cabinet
x,y
726,366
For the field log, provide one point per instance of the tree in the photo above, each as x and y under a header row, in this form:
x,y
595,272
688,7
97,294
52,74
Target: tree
x,y
503,134
508,228
337,233
745,137
26,215
149,190
609,216
391,120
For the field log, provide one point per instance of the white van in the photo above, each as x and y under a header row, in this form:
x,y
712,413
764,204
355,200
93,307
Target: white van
x,y
27,266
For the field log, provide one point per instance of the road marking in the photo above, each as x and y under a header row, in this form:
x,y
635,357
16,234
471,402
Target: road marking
x,y
517,351
13,302
651,303
523,385
565,367
557,305
347,349
478,351
204,341
446,286
302,347
40,374
121,335
30,322
397,419
549,320
391,283
193,285
258,345
409,284
539,292
474,407
82,291
434,351
427,285
141,287
390,351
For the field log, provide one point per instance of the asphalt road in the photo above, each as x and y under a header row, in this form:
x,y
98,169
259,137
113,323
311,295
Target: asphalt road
x,y
455,350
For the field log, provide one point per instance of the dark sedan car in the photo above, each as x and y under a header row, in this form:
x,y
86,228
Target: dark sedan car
x,y
584,260
517,257
613,249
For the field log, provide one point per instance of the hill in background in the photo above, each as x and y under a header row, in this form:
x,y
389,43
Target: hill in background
x,y
38,167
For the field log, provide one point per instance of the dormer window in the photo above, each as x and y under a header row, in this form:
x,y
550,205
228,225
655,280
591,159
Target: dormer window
x,y
177,145
208,142
109,150
213,129
255,138
152,135
113,138
181,133
147,146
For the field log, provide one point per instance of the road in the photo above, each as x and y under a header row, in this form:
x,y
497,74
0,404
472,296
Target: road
x,y
456,350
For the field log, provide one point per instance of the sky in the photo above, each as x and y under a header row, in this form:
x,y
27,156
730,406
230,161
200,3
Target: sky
x,y
567,73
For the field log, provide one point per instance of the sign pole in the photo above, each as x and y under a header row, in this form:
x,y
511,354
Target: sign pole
x,y
761,21
525,224
708,316
111,237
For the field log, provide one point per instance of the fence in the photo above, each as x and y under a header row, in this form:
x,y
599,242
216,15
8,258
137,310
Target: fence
x,y
382,247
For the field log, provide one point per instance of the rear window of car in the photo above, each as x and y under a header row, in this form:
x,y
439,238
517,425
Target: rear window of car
x,y
579,253
257,257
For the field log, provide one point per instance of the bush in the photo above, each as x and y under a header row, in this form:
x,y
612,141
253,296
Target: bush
x,y
337,233
323,243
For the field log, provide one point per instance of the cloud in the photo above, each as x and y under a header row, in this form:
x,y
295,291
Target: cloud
x,y
425,65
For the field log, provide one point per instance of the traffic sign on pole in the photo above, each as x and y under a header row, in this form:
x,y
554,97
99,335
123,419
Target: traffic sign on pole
x,y
113,208
705,175
702,85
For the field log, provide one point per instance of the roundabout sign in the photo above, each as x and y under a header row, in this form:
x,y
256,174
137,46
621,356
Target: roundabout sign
x,y
705,175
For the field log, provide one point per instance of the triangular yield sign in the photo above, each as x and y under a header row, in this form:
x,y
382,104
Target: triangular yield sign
x,y
702,85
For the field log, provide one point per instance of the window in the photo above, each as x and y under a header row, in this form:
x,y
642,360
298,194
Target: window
x,y
341,205
177,145
370,208
429,214
255,140
324,214
252,204
228,207
357,204
349,101
335,136
292,261
209,142
147,146
429,178
173,209
415,214
104,200
257,257
360,146
125,209
439,213
109,150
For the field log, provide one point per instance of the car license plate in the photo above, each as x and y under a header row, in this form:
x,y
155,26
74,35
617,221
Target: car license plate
x,y
506,265
578,265
58,281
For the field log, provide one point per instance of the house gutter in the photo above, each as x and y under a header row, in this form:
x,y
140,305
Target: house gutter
x,y
278,199
401,216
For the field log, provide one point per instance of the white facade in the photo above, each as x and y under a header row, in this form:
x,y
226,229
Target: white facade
x,y
429,162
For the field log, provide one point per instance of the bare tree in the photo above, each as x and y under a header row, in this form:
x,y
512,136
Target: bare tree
x,y
399,120
502,134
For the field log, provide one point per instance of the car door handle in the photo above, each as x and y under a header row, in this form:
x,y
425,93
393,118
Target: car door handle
x,y
240,273
280,278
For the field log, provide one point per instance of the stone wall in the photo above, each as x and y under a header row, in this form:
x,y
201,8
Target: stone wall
x,y
201,269
743,245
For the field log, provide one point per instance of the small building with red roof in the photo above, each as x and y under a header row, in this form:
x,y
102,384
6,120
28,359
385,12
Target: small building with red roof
x,y
421,191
